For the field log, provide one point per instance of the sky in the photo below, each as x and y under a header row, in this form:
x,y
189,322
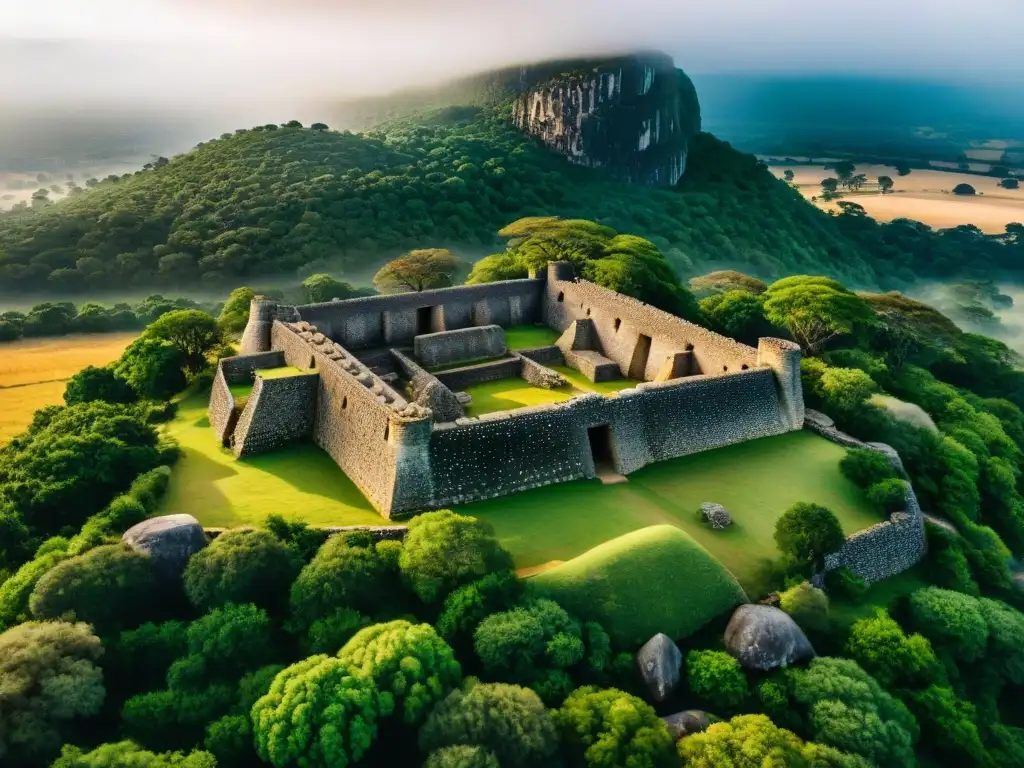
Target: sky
x,y
244,53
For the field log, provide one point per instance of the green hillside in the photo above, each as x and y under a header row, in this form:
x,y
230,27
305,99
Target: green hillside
x,y
272,200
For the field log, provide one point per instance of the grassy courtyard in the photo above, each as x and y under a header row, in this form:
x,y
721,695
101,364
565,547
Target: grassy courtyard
x,y
509,394
756,481
220,490
530,336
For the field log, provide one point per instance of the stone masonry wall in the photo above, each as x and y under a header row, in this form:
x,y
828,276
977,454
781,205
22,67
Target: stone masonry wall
x,y
222,406
241,369
460,378
428,391
464,344
544,355
501,453
279,411
885,549
394,320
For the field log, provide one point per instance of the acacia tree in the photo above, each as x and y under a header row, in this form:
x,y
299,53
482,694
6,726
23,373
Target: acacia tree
x,y
418,271
885,183
814,309
193,332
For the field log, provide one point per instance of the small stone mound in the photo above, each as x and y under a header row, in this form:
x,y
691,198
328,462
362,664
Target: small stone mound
x,y
170,540
763,637
660,662
715,515
683,724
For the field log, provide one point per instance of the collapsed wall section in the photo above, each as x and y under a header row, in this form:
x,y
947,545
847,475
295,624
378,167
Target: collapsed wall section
x,y
279,411
395,320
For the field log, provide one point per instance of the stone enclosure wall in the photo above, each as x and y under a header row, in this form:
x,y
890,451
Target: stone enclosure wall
x,y
885,549
444,347
279,411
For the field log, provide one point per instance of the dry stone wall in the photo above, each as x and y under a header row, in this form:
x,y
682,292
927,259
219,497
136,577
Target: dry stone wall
x,y
885,549
433,349
222,407
544,355
241,369
395,320
460,378
429,392
279,411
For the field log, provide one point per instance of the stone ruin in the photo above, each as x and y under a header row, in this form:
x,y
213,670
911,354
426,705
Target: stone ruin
x,y
382,388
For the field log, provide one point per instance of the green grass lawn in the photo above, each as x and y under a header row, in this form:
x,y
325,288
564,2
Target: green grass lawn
x,y
509,394
465,363
657,579
530,336
756,481
581,383
220,490
281,373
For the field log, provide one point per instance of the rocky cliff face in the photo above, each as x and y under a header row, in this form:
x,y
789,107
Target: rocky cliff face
x,y
632,116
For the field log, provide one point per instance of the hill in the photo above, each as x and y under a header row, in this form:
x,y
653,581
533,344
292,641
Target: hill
x,y
643,583
274,200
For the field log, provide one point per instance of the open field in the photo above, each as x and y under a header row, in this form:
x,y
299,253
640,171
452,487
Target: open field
x,y
657,579
220,490
756,481
924,196
33,372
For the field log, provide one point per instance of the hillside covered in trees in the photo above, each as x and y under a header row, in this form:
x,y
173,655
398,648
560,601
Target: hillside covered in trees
x,y
276,199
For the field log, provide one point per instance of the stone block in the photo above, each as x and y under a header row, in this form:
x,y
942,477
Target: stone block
x,y
169,540
446,347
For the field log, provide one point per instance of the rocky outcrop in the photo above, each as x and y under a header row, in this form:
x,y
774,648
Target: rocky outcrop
x,y
715,515
632,116
170,540
660,662
683,724
763,637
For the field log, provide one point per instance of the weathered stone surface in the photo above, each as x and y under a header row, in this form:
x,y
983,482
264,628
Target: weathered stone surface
x,y
715,515
764,638
660,662
683,724
170,540
464,344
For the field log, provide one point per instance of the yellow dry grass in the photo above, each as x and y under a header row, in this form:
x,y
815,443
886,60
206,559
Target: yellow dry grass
x,y
924,196
33,372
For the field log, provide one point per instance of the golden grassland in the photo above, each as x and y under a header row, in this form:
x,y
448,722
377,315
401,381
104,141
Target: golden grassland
x,y
924,196
33,372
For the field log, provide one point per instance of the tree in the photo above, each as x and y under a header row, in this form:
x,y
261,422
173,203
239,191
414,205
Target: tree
x,y
461,756
348,572
1010,184
407,662
467,606
845,388
848,710
888,496
814,309
242,566
229,740
127,754
737,314
418,271
807,605
110,587
316,715
318,127
855,182
93,383
885,183
717,678
902,169
754,741
508,721
725,281
866,467
223,645
844,170
830,185
964,189
49,680
952,621
610,728
807,533
322,287
235,313
788,175
895,659
192,332
444,550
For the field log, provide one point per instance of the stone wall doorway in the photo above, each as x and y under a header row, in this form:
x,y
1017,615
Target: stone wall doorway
x,y
600,439
424,320
641,353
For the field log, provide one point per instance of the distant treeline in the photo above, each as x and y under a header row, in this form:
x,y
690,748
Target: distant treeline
x,y
59,318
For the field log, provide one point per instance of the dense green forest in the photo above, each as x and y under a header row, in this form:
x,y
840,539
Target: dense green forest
x,y
286,199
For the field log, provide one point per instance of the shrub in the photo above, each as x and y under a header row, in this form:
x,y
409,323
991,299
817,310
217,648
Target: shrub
x,y
866,467
1005,651
316,715
467,606
609,728
228,642
948,725
508,721
242,567
893,658
127,754
807,533
330,634
888,496
92,383
461,756
49,680
407,662
964,189
443,551
139,659
110,587
952,621
174,719
807,605
16,590
844,584
229,739
347,572
717,678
